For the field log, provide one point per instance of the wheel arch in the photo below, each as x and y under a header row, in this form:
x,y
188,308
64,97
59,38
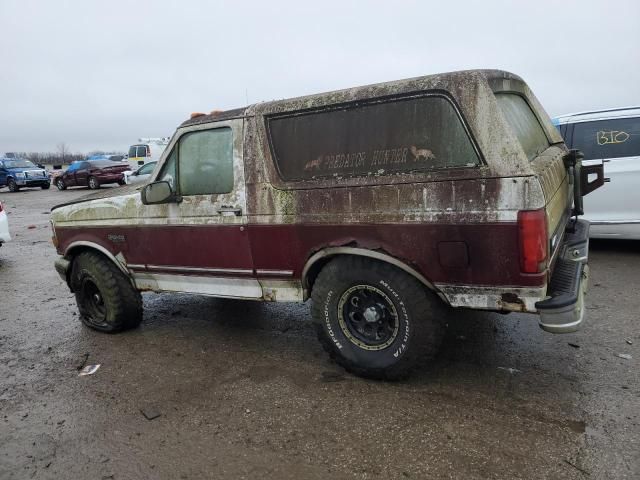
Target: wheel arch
x,y
319,259
76,248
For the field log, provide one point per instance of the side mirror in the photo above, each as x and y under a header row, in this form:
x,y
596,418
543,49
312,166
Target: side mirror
x,y
158,192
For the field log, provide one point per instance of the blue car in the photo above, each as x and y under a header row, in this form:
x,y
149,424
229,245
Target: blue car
x,y
16,173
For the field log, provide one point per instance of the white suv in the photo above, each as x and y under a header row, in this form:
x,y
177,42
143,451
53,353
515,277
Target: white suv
x,y
613,137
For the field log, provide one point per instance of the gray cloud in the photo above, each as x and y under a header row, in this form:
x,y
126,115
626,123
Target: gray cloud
x,y
98,75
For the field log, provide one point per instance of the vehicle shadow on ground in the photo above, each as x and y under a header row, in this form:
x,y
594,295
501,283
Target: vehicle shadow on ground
x,y
474,344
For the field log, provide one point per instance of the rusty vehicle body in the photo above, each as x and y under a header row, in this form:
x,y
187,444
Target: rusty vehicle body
x,y
463,209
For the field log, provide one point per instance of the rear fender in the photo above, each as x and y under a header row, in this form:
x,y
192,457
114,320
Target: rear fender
x,y
318,259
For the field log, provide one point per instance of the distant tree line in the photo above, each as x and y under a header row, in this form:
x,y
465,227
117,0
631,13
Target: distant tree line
x,y
50,158
62,157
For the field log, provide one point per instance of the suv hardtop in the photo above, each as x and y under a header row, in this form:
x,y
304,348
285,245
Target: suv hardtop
x,y
387,205
16,173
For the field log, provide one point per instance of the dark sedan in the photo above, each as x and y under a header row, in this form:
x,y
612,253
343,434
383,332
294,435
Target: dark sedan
x,y
92,174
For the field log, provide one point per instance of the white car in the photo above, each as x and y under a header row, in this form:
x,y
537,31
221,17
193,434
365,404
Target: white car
x,y
613,137
140,175
4,226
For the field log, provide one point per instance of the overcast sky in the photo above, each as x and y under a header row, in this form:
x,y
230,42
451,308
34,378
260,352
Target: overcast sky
x,y
99,74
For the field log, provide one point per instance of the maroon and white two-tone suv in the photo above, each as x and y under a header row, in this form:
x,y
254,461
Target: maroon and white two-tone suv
x,y
387,205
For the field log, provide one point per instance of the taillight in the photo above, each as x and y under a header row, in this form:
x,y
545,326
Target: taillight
x,y
148,151
533,239
0,206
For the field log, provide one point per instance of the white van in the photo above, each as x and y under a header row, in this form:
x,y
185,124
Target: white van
x,y
147,150
613,137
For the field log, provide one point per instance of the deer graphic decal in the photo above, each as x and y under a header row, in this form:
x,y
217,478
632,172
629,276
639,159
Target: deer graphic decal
x,y
315,164
423,153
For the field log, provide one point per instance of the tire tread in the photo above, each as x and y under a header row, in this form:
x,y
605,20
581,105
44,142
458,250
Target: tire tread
x,y
124,300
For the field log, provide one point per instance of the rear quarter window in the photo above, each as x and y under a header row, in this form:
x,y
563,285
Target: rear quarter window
x,y
524,124
397,136
613,138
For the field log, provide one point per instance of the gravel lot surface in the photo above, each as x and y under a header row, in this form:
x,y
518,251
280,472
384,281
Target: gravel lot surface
x,y
243,390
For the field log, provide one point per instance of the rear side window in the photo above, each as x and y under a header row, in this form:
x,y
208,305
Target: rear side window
x,y
524,123
132,151
399,136
614,138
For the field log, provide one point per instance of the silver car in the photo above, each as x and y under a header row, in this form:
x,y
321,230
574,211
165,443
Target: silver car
x,y
140,175
613,137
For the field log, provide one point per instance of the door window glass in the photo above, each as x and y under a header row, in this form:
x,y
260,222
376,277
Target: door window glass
x,y
206,162
148,168
602,139
132,151
168,173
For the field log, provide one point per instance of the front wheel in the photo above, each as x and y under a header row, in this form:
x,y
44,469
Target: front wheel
x,y
13,186
106,299
45,186
374,319
93,183
60,184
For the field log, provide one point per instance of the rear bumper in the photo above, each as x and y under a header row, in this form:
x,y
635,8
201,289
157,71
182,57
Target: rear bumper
x,y
563,310
110,178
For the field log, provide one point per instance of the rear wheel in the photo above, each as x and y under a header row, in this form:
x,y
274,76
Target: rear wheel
x,y
374,319
60,184
93,183
106,299
13,186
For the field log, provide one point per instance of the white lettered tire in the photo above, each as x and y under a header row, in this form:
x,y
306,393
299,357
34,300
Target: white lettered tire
x,y
374,319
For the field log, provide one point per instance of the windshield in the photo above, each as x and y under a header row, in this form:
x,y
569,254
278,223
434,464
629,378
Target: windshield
x,y
18,164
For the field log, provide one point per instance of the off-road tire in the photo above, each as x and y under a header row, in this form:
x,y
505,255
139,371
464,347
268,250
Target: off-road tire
x,y
93,183
60,184
45,186
121,302
13,186
420,316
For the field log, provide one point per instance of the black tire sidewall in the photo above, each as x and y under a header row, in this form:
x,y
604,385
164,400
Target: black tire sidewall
x,y
96,268
12,185
83,272
60,184
343,346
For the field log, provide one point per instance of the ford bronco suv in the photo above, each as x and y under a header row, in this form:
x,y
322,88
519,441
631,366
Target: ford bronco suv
x,y
387,205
